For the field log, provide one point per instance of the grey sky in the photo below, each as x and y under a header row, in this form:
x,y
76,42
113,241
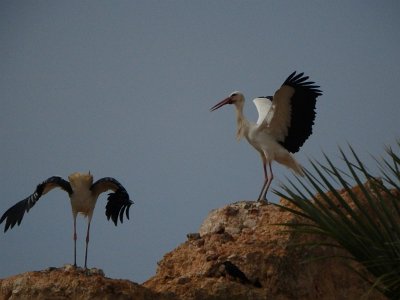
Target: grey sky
x,y
123,88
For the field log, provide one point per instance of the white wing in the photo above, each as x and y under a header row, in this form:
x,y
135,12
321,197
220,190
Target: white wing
x,y
264,108
280,122
277,123
291,117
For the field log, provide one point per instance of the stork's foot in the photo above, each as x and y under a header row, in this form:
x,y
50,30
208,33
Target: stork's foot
x,y
69,267
263,201
263,198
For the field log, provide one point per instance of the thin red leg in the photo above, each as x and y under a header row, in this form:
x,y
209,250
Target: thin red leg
x,y
87,243
75,237
271,177
265,182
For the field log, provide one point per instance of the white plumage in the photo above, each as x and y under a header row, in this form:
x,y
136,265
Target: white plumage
x,y
83,194
284,123
264,106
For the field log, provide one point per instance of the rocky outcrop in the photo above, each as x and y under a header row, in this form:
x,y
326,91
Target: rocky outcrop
x,y
72,283
245,235
239,253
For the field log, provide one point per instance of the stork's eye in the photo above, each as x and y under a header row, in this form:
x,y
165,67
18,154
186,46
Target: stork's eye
x,y
234,94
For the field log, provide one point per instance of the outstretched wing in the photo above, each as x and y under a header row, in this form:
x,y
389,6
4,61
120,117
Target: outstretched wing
x,y
15,213
117,202
294,111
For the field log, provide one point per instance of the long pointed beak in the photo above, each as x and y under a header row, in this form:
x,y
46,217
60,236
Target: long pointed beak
x,y
222,103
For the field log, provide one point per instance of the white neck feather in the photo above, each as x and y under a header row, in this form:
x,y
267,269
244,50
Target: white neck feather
x,y
242,123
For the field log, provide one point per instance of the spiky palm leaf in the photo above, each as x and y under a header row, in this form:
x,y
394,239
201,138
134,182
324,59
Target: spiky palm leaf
x,y
366,224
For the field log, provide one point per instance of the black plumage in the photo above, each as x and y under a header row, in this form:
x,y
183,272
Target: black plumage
x,y
117,202
284,123
302,110
15,214
83,194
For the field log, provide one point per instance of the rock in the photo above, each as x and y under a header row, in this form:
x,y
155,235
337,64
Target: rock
x,y
245,234
193,236
232,218
72,283
239,253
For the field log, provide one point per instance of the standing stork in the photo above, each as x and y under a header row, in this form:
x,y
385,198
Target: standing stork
x,y
284,123
83,194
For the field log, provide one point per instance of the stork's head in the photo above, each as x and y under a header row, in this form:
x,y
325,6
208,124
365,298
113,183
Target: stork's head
x,y
235,98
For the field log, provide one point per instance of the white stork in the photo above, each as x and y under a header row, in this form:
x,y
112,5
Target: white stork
x,y
284,123
83,194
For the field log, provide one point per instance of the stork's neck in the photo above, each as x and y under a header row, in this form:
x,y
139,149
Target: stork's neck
x,y
242,123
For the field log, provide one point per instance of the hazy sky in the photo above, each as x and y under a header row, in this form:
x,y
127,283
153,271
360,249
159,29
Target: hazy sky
x,y
123,89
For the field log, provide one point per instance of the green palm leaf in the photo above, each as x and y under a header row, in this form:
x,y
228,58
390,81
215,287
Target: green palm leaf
x,y
365,222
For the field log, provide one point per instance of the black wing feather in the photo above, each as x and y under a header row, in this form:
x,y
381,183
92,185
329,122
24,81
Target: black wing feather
x,y
303,110
118,202
15,214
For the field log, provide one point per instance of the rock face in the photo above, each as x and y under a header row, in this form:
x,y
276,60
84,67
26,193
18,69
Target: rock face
x,y
238,253
244,235
71,283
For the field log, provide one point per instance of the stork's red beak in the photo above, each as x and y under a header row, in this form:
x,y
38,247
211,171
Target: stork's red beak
x,y
222,103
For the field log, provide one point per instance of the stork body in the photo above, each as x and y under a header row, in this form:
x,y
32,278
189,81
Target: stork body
x,y
83,194
284,123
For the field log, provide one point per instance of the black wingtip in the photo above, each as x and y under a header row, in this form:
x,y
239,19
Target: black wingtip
x,y
302,103
127,210
299,81
118,204
291,76
6,227
3,217
14,215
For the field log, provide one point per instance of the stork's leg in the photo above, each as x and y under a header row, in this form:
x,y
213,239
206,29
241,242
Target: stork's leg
x,y
268,183
87,243
74,237
260,198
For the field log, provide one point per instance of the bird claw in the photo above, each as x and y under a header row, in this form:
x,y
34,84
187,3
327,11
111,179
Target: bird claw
x,y
264,201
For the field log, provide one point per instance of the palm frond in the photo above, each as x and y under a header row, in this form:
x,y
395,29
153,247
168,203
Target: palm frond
x,y
363,217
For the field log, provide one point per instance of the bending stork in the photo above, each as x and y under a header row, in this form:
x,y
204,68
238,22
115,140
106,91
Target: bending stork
x,y
284,123
83,194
